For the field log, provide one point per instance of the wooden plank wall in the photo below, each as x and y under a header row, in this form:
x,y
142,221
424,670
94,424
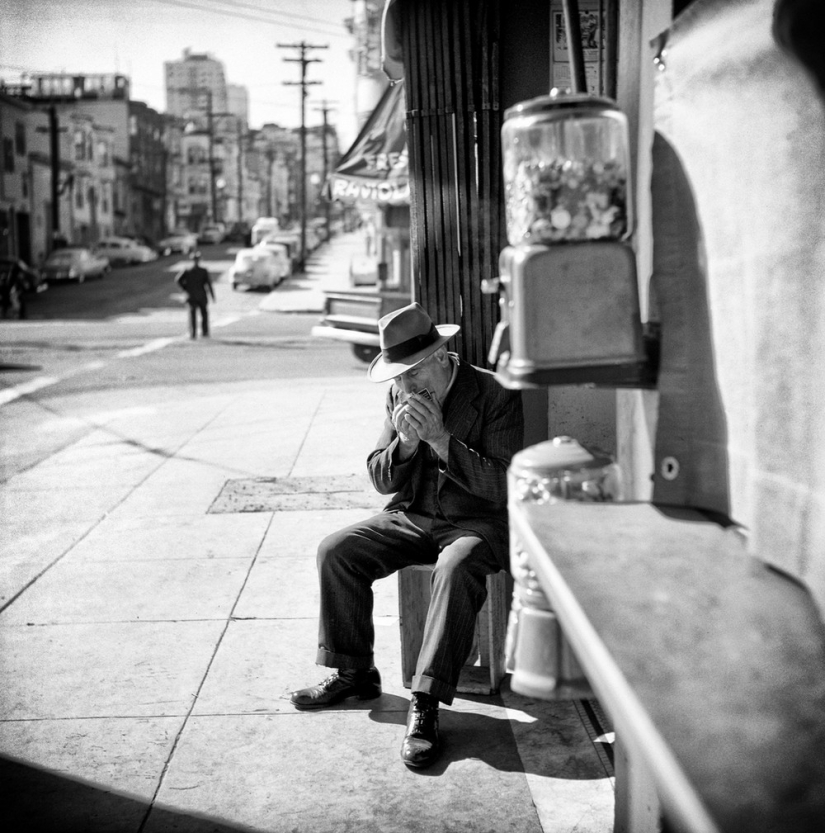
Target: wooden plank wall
x,y
451,52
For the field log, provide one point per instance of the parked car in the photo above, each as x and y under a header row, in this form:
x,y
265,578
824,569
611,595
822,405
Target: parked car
x,y
30,278
363,270
74,263
313,239
212,234
179,240
319,227
17,280
258,267
352,316
291,239
238,233
281,251
124,251
263,227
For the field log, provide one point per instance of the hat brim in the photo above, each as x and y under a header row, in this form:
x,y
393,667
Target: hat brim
x,y
380,370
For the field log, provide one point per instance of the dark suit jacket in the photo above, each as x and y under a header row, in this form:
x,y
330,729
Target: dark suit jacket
x,y
195,282
486,428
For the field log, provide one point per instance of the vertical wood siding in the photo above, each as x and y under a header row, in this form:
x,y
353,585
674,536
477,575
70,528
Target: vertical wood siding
x,y
451,50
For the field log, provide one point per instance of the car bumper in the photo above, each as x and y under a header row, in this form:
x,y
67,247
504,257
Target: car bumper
x,y
349,336
254,281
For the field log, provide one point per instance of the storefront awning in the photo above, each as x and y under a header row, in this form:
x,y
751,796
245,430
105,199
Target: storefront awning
x,y
392,57
375,168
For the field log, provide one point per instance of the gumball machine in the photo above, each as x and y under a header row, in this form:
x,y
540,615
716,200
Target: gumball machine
x,y
569,297
538,655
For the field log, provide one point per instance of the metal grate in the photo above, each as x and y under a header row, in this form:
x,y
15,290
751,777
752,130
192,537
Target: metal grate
x,y
279,494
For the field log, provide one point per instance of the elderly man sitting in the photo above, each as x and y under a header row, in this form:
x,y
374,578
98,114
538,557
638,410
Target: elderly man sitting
x,y
449,432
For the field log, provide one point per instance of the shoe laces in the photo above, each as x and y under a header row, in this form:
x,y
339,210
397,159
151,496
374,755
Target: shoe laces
x,y
329,680
424,715
344,675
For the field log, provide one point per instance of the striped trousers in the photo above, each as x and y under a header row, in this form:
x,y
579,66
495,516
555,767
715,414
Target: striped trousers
x,y
350,560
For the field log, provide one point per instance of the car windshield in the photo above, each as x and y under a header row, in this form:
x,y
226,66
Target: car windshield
x,y
245,261
63,257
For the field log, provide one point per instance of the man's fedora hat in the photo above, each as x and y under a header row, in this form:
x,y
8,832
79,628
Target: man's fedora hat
x,y
407,336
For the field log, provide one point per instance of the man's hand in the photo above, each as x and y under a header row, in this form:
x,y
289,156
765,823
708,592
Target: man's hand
x,y
407,435
424,418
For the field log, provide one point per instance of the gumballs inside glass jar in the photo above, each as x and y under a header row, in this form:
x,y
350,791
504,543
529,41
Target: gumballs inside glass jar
x,y
566,170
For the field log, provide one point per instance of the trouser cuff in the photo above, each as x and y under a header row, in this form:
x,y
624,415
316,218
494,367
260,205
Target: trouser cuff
x,y
330,660
442,692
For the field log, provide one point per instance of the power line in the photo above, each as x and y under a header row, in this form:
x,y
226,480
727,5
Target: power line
x,y
256,18
274,12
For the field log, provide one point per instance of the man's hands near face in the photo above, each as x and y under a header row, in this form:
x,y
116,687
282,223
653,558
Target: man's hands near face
x,y
418,419
407,433
424,416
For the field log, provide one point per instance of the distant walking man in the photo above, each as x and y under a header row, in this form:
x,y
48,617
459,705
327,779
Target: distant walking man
x,y
195,282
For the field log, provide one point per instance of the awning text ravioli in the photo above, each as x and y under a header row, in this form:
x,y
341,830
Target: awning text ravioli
x,y
375,169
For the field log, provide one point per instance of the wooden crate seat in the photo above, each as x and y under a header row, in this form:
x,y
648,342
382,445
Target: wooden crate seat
x,y
484,670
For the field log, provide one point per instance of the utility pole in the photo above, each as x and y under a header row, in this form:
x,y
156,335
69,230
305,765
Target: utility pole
x,y
270,158
240,171
327,202
211,131
54,151
303,47
54,130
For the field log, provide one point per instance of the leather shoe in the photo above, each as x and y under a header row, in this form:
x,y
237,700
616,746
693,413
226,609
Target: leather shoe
x,y
365,684
422,745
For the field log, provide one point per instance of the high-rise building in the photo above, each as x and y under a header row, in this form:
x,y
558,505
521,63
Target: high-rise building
x,y
238,101
192,82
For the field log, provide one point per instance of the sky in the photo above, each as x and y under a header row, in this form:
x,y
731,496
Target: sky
x,y
135,37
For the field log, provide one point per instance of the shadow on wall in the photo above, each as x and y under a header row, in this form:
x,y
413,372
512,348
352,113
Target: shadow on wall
x,y
799,28
692,433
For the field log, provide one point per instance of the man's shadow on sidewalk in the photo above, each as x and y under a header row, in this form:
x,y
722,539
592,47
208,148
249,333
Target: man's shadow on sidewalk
x,y
470,735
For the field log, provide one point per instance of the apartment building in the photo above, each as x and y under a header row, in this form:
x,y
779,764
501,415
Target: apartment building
x,y
194,84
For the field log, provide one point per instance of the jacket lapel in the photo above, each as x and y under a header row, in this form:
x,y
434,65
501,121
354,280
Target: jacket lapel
x,y
462,412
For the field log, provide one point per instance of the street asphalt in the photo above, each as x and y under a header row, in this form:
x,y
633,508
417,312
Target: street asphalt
x,y
158,603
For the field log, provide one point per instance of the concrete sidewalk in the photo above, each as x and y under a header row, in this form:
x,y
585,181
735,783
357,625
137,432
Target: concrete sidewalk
x,y
158,602
327,269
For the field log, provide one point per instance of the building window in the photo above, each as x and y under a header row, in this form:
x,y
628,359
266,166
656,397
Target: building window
x,y
20,138
8,155
198,187
78,194
79,146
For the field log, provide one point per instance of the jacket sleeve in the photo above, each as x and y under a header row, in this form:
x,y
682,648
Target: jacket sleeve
x,y
481,469
387,472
